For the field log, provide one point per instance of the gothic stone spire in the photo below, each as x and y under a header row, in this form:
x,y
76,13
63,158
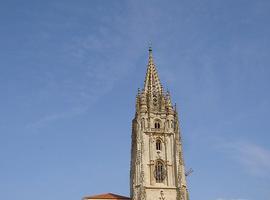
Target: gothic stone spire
x,y
152,83
157,165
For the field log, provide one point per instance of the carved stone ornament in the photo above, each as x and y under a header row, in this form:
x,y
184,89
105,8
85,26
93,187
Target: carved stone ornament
x,y
153,139
158,156
166,139
183,193
143,193
142,177
162,196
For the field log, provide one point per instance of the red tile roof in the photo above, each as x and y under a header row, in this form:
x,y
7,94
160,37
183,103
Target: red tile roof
x,y
106,196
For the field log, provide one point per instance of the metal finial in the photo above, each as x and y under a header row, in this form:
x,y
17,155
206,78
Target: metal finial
x,y
150,46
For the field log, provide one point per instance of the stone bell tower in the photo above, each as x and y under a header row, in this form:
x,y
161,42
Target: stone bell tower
x,y
157,166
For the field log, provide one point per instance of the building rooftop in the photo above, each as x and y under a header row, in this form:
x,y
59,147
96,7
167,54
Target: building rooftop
x,y
106,196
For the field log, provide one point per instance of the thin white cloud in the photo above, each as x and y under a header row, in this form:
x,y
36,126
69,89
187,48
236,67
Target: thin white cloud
x,y
254,158
97,61
56,116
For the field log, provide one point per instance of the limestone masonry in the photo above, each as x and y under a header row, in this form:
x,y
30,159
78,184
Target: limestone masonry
x,y
157,170
157,166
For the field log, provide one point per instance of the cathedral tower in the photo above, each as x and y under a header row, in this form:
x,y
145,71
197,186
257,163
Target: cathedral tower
x,y
157,166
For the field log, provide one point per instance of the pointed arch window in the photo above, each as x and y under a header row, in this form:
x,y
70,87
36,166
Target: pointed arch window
x,y
157,125
160,172
158,145
168,124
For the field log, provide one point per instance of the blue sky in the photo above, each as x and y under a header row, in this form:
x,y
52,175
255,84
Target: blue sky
x,y
69,73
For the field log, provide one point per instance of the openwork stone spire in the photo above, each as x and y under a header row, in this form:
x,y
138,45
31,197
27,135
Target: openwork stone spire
x,y
152,83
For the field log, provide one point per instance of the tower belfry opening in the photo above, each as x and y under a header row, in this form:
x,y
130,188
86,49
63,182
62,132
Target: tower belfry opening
x,y
157,164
